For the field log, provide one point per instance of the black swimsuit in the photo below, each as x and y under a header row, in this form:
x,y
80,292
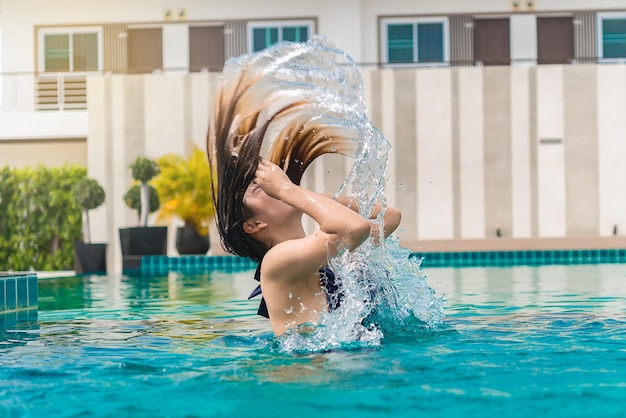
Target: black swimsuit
x,y
327,278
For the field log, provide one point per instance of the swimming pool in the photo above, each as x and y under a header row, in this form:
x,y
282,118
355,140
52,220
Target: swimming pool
x,y
518,341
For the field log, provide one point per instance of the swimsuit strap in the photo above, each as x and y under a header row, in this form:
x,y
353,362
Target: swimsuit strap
x,y
257,291
329,282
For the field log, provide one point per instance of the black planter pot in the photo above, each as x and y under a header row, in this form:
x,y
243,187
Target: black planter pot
x,y
90,258
139,241
189,241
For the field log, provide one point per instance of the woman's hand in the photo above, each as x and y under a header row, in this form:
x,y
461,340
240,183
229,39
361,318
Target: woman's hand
x,y
271,179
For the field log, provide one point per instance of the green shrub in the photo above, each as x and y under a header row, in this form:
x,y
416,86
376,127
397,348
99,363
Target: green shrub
x,y
7,189
88,194
144,169
39,218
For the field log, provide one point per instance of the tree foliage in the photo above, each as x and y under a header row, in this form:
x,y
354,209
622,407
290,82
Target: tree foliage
x,y
144,169
88,194
132,199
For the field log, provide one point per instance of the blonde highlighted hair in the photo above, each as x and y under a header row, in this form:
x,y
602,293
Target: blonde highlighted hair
x,y
279,96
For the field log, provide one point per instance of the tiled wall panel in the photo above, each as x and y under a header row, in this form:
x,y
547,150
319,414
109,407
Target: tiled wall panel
x,y
521,151
611,114
470,149
497,142
550,152
18,297
434,154
581,150
405,147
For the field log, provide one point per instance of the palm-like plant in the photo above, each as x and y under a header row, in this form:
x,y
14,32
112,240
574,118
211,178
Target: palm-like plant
x,y
184,188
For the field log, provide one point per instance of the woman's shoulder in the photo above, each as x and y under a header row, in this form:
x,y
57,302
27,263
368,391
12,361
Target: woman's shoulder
x,y
296,257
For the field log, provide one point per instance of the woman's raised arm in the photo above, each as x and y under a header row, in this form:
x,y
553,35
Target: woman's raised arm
x,y
391,217
343,226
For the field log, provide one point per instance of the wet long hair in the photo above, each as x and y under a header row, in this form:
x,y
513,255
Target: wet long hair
x,y
249,108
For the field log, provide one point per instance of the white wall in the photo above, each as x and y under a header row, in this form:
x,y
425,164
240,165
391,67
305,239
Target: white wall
x,y
611,149
550,156
175,56
0,66
524,39
43,125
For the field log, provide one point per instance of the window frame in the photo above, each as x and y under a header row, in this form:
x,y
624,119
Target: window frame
x,y
384,38
280,24
41,53
599,40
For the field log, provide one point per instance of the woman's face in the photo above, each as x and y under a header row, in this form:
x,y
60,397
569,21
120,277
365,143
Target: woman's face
x,y
264,207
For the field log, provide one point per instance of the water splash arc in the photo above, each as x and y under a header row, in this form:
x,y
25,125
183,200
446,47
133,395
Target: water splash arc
x,y
384,288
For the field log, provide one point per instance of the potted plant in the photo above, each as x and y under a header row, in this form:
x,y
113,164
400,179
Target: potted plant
x,y
143,239
184,187
88,257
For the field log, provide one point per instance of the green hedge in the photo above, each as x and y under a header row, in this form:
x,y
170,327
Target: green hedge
x,y
39,220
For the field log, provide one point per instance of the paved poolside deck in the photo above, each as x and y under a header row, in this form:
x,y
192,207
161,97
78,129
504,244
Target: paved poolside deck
x,y
516,244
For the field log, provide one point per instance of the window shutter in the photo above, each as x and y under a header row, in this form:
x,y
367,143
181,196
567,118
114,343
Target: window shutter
x,y
492,41
206,48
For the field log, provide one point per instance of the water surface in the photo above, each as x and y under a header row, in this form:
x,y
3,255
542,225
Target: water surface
x,y
521,341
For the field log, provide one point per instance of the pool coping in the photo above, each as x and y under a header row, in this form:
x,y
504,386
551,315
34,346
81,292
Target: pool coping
x,y
508,258
515,244
522,257
490,252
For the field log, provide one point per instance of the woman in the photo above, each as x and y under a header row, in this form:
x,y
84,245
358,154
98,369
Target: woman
x,y
290,272
260,205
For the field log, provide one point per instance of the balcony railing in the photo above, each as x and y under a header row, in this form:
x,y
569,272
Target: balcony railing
x,y
22,91
26,92
61,92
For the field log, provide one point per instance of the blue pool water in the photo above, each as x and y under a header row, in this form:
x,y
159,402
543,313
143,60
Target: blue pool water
x,y
545,341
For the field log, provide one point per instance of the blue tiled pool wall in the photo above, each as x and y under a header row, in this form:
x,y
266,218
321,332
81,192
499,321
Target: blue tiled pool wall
x,y
18,297
164,264
522,258
160,264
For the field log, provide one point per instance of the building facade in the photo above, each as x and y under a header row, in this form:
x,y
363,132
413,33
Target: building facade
x,y
506,117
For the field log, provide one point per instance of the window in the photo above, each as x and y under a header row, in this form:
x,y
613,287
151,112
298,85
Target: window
x,y
206,48
555,40
144,50
612,36
414,41
70,50
264,34
492,45
65,57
